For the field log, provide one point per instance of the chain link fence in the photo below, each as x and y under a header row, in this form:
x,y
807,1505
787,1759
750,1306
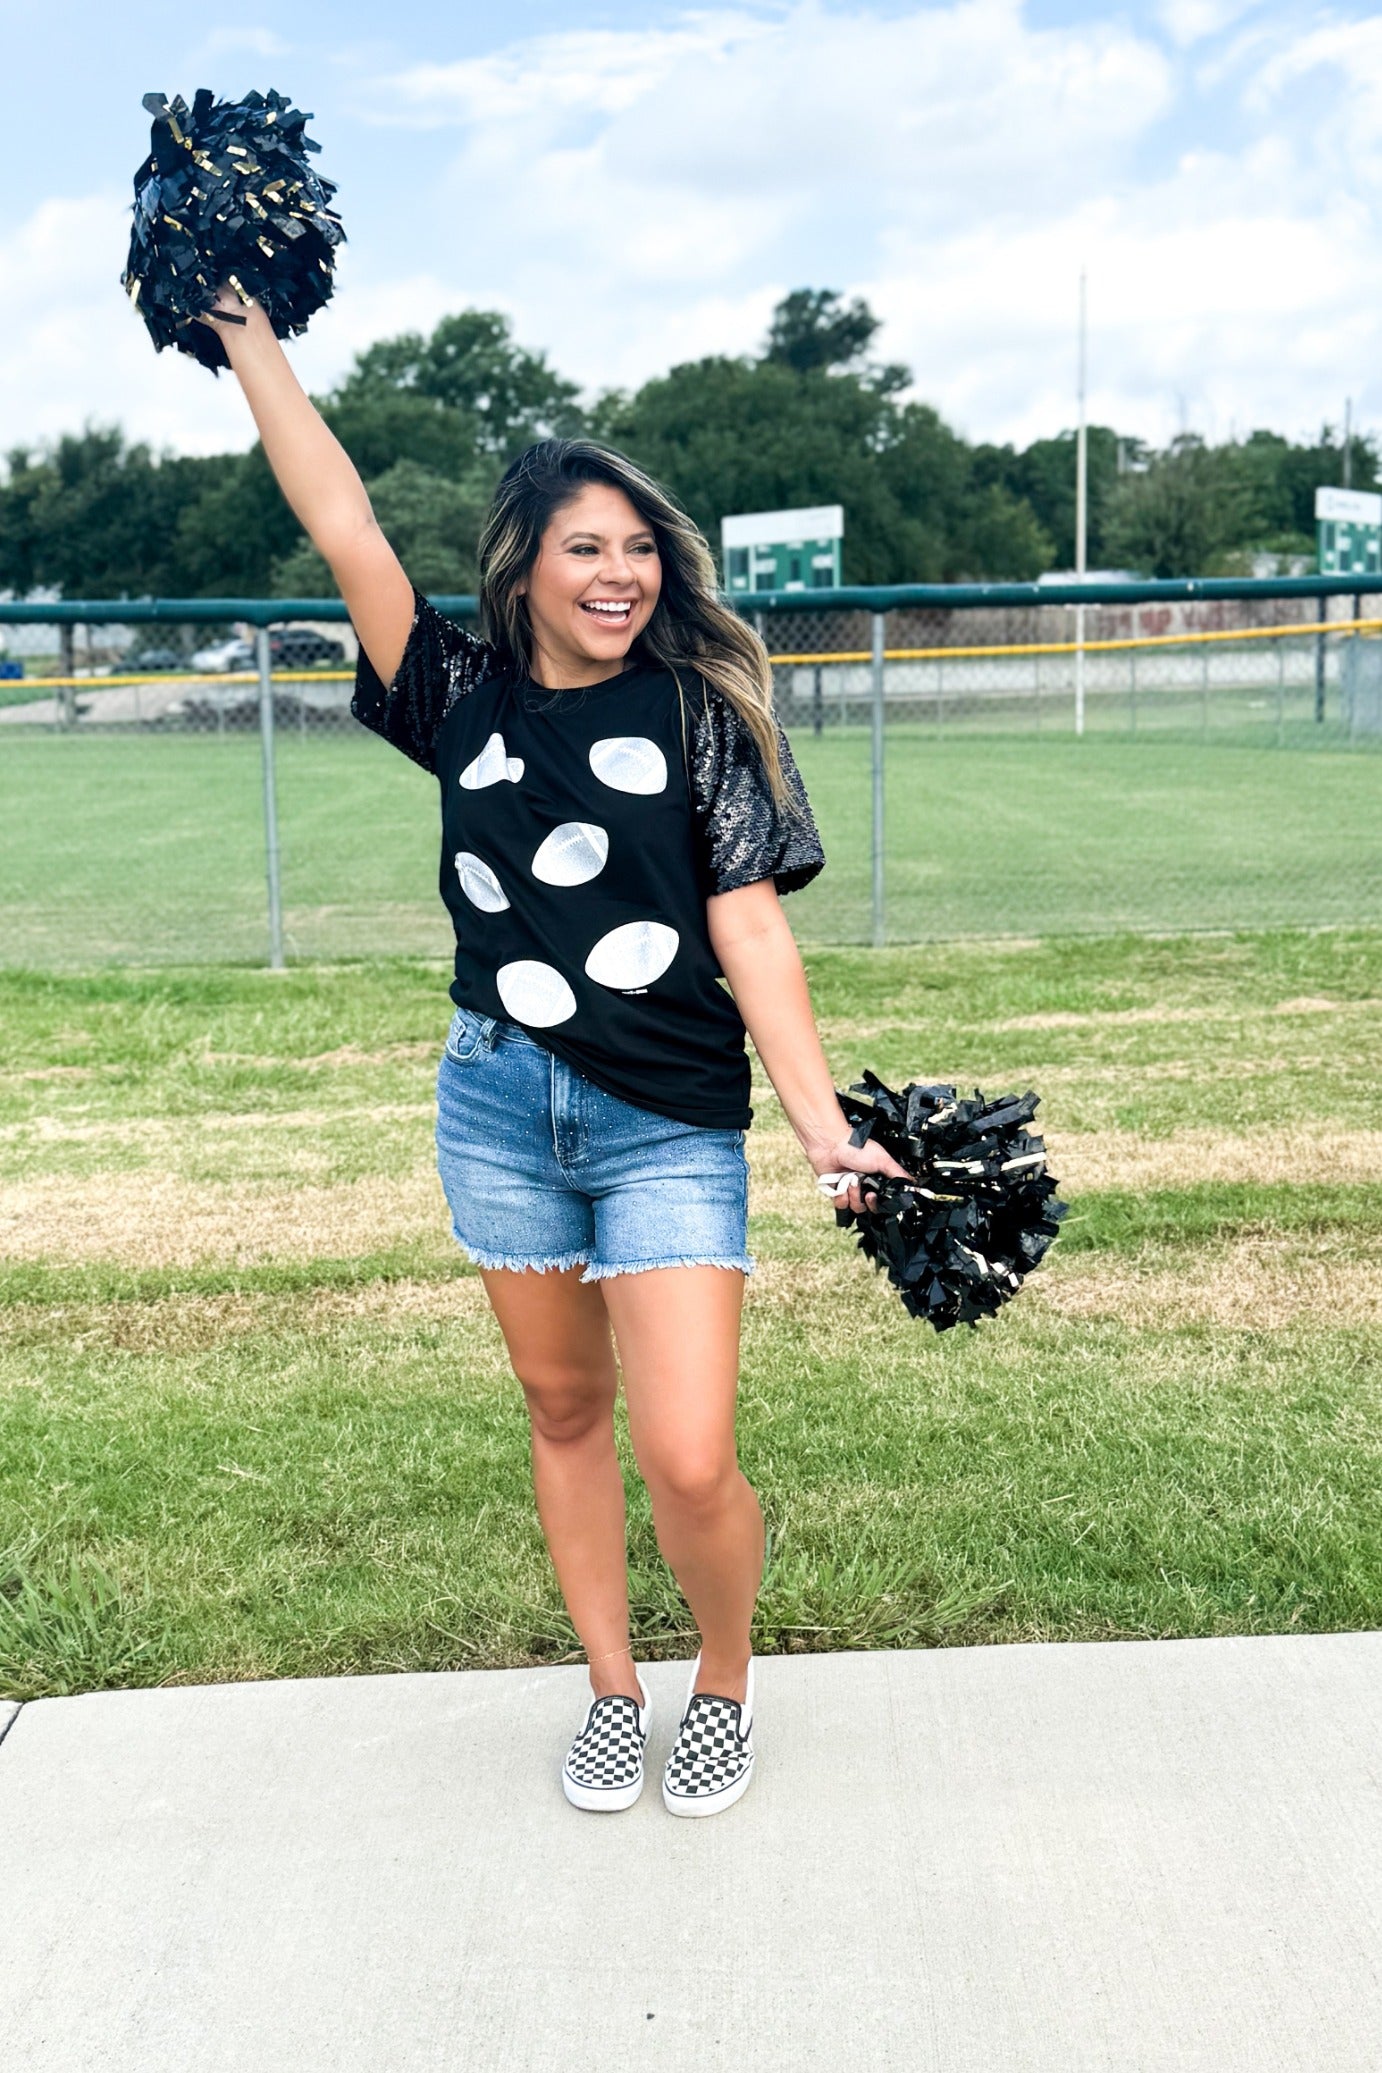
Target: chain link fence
x,y
193,789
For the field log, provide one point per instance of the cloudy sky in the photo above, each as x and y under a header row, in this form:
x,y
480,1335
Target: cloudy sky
x,y
637,187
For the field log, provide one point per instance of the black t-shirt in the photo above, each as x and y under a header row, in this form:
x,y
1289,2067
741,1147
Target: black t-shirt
x,y
582,832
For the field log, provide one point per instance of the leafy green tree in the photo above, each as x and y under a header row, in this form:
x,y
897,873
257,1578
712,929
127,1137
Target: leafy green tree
x,y
813,331
433,524
1042,476
431,420
94,516
738,435
1188,504
378,426
21,553
230,535
470,368
1307,468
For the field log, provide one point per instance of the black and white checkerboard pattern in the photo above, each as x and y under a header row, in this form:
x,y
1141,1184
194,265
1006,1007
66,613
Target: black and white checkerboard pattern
x,y
708,1753
609,1749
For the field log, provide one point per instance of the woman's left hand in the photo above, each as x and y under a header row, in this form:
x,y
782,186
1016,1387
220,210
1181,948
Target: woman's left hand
x,y
841,1161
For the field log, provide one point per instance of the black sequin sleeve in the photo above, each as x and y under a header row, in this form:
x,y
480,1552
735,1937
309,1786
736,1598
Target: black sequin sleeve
x,y
745,834
441,663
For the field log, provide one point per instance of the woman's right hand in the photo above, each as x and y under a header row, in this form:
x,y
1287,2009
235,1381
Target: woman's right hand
x,y
253,326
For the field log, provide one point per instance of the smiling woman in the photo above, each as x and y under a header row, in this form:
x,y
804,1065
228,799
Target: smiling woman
x,y
620,812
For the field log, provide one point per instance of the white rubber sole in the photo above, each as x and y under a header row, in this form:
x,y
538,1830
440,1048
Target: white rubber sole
x,y
601,1799
695,1804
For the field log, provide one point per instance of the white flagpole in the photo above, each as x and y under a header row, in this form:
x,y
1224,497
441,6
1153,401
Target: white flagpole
x,y
1081,515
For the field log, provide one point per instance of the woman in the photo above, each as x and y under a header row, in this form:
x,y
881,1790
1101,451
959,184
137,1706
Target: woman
x,y
620,812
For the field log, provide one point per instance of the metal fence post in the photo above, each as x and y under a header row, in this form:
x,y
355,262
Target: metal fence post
x,y
67,668
1319,662
1132,690
879,925
266,745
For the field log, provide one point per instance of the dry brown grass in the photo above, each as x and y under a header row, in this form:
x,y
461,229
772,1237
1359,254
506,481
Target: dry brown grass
x,y
151,1219
50,1072
170,1132
148,1220
1129,1018
1262,1281
325,1061
1122,1159
191,1324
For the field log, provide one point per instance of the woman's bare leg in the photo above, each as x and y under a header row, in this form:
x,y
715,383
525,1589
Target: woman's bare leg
x,y
557,1332
677,1330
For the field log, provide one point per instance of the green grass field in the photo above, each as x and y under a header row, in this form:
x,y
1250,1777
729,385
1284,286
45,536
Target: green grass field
x,y
255,1419
150,847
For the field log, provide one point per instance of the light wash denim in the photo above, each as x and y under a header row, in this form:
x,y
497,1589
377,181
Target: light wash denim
x,y
543,1170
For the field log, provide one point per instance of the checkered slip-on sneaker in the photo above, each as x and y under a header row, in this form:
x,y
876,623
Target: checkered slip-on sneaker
x,y
711,1762
603,1771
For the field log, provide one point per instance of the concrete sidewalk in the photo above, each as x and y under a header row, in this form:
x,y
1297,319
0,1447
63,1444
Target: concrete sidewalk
x,y
1124,1857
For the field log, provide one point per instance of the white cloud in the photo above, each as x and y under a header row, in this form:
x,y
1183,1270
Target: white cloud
x,y
637,197
794,154
78,351
1344,60
260,43
576,72
1191,21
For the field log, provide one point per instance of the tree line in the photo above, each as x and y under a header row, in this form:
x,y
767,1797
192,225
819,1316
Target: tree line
x,y
811,418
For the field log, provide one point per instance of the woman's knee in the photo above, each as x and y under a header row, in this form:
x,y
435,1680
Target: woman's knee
x,y
565,1401
694,1479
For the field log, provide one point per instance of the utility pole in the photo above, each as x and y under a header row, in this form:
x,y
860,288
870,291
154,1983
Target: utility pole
x,y
1081,515
1348,442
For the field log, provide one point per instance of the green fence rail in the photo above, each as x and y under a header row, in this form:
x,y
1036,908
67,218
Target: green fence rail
x,y
889,597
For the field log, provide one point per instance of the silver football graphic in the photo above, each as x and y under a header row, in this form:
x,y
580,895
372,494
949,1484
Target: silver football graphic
x,y
493,766
535,993
629,763
572,854
633,955
479,883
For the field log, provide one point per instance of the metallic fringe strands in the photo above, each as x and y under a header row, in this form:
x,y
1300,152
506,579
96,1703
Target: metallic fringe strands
x,y
957,1240
227,194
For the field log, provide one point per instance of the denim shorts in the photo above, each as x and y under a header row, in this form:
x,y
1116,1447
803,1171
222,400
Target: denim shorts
x,y
544,1170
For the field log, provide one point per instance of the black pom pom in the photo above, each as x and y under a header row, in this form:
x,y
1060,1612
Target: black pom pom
x,y
958,1240
227,194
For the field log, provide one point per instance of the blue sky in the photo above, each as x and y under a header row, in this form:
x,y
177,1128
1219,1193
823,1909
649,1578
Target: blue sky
x,y
639,188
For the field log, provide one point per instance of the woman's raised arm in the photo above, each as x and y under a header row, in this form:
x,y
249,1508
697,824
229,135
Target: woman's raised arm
x,y
323,486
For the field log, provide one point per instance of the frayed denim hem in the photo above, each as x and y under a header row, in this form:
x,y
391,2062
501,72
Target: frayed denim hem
x,y
555,1263
744,1264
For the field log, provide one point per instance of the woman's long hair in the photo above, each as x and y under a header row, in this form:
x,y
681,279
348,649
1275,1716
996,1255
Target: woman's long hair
x,y
690,629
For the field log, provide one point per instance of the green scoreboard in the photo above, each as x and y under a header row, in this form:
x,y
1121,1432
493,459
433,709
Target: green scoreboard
x,y
783,550
1348,529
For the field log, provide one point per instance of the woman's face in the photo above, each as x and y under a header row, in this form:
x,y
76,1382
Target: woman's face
x,y
592,589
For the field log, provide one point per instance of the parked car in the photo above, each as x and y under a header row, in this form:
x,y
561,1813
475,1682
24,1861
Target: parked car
x,y
298,647
226,655
143,660
11,666
219,707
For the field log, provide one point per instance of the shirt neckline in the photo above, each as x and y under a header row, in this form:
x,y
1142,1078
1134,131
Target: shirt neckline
x,y
540,698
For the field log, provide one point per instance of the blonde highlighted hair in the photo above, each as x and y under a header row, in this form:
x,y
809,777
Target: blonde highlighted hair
x,y
691,628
